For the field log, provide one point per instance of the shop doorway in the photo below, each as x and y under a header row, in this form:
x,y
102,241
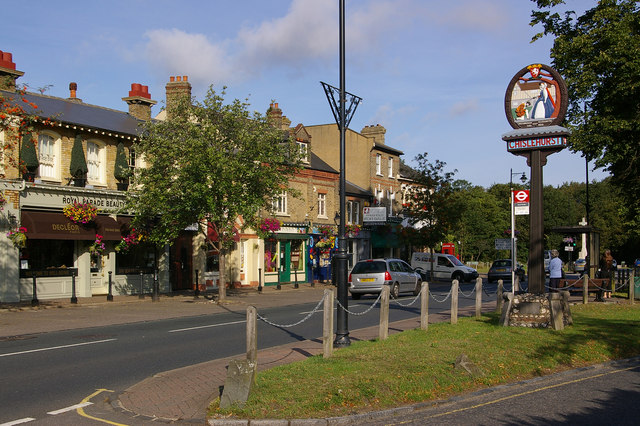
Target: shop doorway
x,y
180,257
291,261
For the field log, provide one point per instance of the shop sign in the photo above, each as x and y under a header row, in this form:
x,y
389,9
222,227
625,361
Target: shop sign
x,y
374,214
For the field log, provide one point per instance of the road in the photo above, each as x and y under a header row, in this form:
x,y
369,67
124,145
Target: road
x,y
48,372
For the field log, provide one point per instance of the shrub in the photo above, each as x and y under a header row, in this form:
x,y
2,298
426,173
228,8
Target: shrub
x,y
78,167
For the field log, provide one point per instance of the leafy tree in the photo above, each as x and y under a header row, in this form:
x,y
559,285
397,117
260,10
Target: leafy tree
x,y
121,168
598,53
209,163
430,203
78,166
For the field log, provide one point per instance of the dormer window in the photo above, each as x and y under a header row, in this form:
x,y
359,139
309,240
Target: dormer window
x,y
304,151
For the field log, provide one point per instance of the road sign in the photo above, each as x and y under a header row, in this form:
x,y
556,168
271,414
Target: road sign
x,y
568,248
521,196
503,244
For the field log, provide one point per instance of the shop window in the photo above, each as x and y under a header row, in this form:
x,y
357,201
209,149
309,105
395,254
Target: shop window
x,y
95,163
49,156
297,259
47,254
213,262
137,259
270,256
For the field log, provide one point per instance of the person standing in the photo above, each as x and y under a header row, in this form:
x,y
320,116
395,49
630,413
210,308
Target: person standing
x,y
606,269
555,271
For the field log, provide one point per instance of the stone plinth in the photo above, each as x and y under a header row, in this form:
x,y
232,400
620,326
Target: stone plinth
x,y
536,310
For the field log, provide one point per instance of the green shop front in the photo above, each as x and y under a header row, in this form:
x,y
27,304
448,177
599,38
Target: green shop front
x,y
285,255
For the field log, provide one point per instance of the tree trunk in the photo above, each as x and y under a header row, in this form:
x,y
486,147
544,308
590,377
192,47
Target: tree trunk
x,y
222,285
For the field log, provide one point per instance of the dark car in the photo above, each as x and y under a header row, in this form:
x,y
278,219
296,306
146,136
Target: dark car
x,y
501,270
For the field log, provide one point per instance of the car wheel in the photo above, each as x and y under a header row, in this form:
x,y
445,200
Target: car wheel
x,y
416,291
458,276
395,290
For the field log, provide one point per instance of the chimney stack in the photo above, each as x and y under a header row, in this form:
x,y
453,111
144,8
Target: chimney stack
x,y
73,89
139,101
8,73
274,115
376,132
177,88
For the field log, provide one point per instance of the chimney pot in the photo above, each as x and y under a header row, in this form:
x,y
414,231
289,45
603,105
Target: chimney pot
x,y
185,78
172,79
73,87
178,78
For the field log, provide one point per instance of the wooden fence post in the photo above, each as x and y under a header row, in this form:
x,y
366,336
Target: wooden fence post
x,y
454,302
252,337
499,300
327,324
424,306
478,297
632,287
384,313
585,289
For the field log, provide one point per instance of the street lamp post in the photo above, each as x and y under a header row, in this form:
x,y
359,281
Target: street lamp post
x,y
343,115
514,258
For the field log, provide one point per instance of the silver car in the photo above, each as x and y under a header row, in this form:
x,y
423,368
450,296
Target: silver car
x,y
369,276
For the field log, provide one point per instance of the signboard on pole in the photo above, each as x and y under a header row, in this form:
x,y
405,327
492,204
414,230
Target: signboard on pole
x,y
503,243
521,202
374,214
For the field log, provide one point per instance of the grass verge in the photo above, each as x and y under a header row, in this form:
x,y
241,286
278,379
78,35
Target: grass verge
x,y
416,366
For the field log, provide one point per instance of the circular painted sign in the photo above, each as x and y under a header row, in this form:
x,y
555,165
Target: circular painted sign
x,y
536,96
521,196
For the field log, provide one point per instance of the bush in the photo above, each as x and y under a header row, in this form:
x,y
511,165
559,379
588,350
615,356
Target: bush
x,y
28,153
121,169
78,167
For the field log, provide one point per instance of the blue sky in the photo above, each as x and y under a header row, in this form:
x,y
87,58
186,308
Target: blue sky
x,y
434,73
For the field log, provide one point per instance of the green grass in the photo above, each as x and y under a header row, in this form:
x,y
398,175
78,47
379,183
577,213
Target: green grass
x,y
416,366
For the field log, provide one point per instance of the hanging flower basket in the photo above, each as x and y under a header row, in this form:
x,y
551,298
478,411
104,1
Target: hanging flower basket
x,y
326,230
80,213
352,230
133,239
267,227
18,237
97,247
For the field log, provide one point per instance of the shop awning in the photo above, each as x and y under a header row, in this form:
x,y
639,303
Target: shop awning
x,y
56,226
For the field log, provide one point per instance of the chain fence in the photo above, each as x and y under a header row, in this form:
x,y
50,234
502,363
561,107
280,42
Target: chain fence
x,y
316,309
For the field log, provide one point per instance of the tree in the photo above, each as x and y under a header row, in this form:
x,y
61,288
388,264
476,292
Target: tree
x,y
598,54
430,205
213,164
78,166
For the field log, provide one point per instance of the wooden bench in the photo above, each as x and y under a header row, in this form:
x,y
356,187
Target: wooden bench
x,y
596,285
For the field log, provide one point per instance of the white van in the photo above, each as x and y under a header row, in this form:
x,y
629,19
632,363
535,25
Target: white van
x,y
445,267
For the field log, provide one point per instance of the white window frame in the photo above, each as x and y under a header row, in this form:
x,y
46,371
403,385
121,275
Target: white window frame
x,y
50,159
280,204
379,164
390,167
304,151
96,164
322,205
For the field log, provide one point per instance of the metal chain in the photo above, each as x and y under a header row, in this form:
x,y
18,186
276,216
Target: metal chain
x,y
443,300
467,295
397,301
261,318
360,313
484,289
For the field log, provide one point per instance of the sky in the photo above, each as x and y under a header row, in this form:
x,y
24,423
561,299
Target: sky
x,y
434,73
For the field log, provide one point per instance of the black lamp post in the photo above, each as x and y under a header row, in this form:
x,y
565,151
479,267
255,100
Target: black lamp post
x,y
343,116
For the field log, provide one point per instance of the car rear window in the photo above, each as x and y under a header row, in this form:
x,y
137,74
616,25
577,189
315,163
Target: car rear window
x,y
501,263
369,267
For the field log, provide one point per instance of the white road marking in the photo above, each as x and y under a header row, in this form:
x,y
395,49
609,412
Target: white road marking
x,y
71,408
18,422
56,347
204,326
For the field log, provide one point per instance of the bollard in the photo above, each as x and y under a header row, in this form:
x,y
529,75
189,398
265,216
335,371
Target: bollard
x,y
499,294
252,338
478,297
259,280
327,323
196,293
295,273
156,286
278,287
424,306
585,289
454,302
384,313
141,295
74,299
34,297
110,295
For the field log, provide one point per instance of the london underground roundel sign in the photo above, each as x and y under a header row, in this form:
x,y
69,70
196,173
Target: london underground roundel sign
x,y
536,96
521,196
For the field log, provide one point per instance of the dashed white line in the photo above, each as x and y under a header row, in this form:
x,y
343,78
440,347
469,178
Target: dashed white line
x,y
18,422
56,347
205,326
71,408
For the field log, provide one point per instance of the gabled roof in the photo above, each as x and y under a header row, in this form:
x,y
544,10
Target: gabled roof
x,y
78,114
315,163
356,191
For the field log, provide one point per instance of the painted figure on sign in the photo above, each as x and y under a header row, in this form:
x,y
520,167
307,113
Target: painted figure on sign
x,y
543,106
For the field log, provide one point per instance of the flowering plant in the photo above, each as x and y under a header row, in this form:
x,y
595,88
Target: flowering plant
x,y
325,230
133,239
267,227
352,229
18,237
81,213
98,246
326,242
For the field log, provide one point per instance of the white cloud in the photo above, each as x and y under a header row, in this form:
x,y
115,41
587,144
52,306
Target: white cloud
x,y
464,107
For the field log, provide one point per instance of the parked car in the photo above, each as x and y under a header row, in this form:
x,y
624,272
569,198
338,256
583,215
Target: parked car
x,y
501,270
445,267
369,277
547,259
579,266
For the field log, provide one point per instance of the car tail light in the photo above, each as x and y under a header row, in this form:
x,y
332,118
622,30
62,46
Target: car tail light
x,y
387,276
349,278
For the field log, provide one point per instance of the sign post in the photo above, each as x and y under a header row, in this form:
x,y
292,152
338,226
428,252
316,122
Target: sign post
x,y
535,104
